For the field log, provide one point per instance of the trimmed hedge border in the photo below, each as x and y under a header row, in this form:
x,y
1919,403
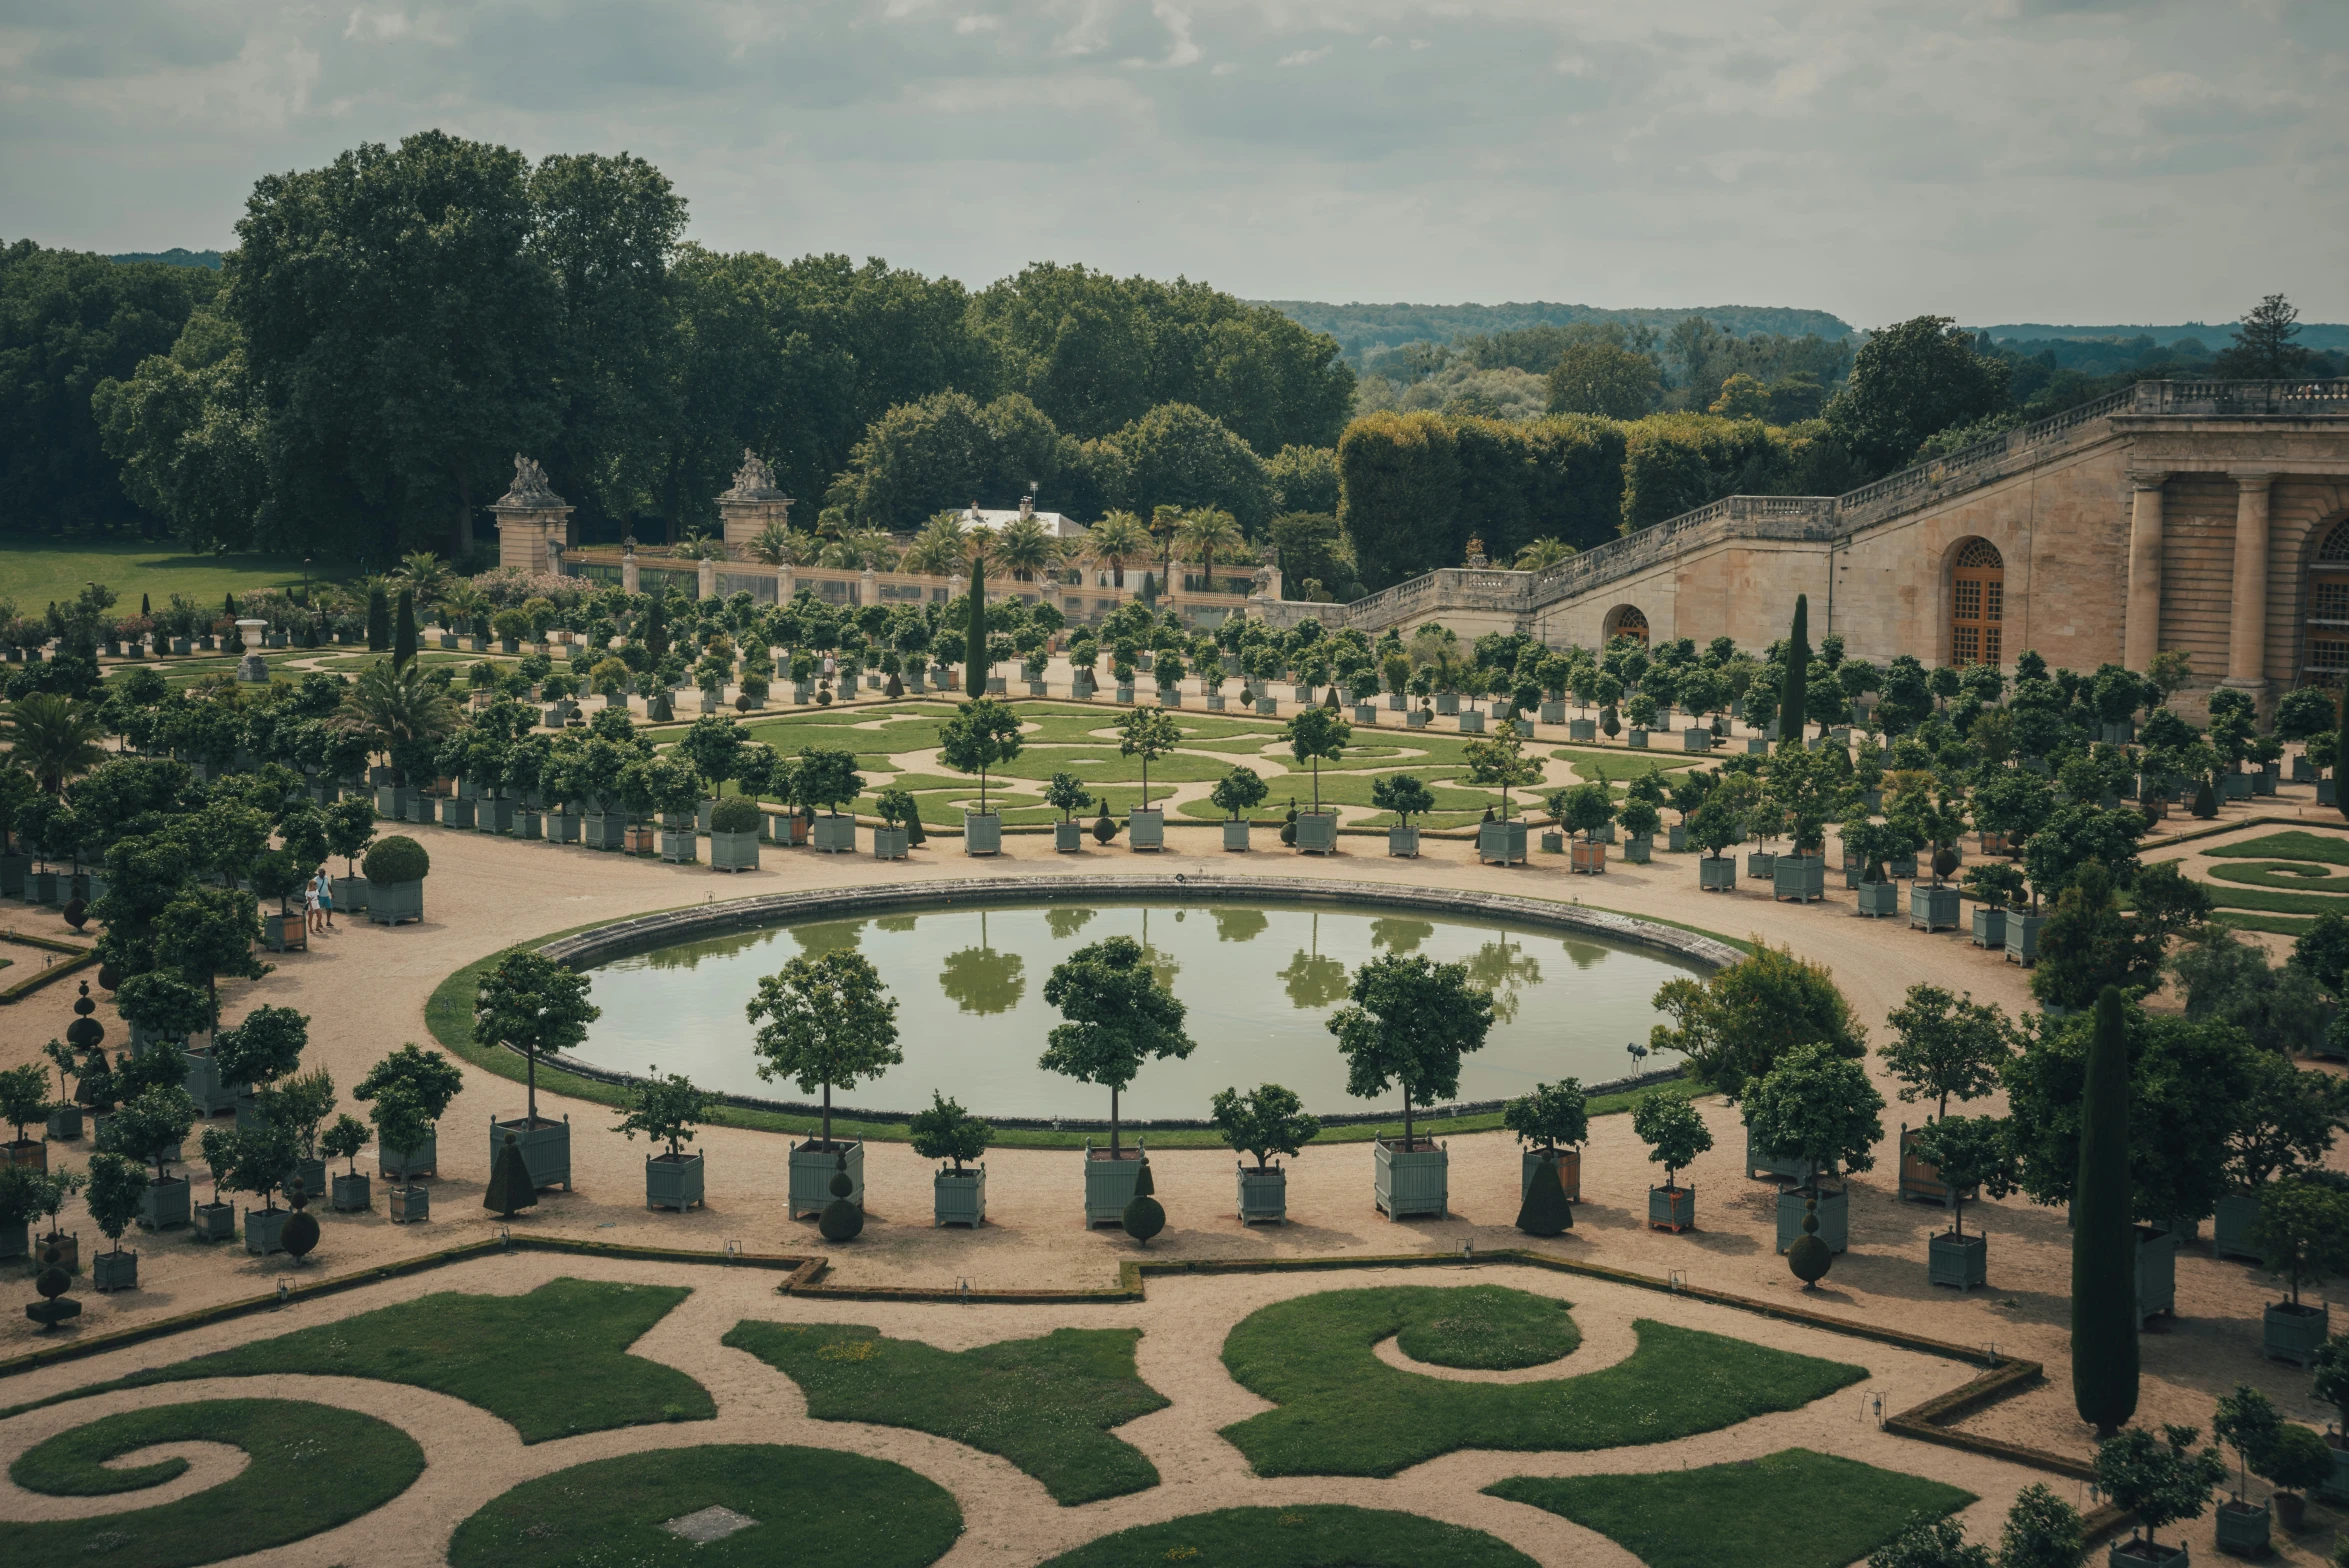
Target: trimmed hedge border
x,y
448,1014
81,958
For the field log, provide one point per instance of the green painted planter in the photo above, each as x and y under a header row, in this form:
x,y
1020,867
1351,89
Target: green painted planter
x,y
166,1204
1989,928
1146,829
1933,908
734,851
495,815
2230,1226
1834,1217
1716,874
350,895
812,1168
262,1229
1636,739
456,811
1317,832
1958,1261
1639,849
311,1173
2242,1529
546,1149
1068,838
1235,835
117,1270
959,1197
1759,1164
1761,866
604,831
1802,878
1699,739
1501,843
1109,1184
408,1205
834,836
1585,730
395,903
2293,1333
2157,1273
404,1164
1672,1209
2336,1487
64,1123
1878,900
353,1192
672,1181
680,846
2022,938
1408,1183
1471,722
982,833
214,1221
1263,1193
1403,842
892,843
1569,1172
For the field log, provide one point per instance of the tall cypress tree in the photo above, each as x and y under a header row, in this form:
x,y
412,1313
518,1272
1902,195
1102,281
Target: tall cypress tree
x,y
2104,1246
378,620
974,654
404,631
1798,671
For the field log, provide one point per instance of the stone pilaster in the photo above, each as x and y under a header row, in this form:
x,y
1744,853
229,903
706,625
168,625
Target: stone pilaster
x,y
2247,631
706,579
2141,639
751,504
531,520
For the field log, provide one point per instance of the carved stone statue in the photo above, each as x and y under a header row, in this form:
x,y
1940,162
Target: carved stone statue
x,y
530,488
753,481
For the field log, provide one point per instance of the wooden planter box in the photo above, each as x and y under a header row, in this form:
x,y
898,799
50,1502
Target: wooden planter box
x,y
2157,1273
456,812
15,1239
350,895
407,1205
982,833
1672,1209
834,835
1448,704
734,851
311,1173
1471,722
1403,842
679,844
65,1123
1410,1182
1146,829
117,1270
495,815
2242,1529
1989,928
1585,730
672,1181
1920,1179
546,1149
1109,1184
1932,908
1802,878
1586,859
1834,1217
2230,1227
1760,1164
289,933
1636,738
1760,866
1235,834
1959,1261
2336,1487
1366,714
1639,848
812,1167
1068,838
1267,707
396,903
31,1153
166,1204
1317,832
215,1221
262,1229
1569,1172
1878,900
2293,1333
959,1197
604,831
2022,938
405,1164
1716,874
1263,1193
892,843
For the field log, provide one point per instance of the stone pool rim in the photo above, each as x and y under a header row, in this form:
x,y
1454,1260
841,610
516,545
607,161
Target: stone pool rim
x,y
642,933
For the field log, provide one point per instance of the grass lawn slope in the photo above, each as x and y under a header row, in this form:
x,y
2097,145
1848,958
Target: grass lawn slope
x,y
1311,1535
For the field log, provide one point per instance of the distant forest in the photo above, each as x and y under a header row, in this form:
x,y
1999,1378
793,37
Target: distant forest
x,y
1363,329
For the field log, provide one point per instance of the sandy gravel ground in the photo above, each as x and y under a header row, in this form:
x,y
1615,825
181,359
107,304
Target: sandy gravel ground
x,y
365,989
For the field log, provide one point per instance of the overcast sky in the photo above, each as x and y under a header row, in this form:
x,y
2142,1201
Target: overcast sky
x,y
1996,160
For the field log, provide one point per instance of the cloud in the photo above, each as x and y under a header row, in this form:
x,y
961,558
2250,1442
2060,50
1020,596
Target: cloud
x,y
1992,159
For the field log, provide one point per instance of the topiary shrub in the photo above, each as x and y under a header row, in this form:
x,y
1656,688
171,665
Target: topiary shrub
x,y
735,814
1144,1216
1545,1211
1809,1258
399,858
841,1220
2205,801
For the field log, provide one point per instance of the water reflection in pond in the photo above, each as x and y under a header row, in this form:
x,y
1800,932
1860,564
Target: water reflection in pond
x,y
1259,982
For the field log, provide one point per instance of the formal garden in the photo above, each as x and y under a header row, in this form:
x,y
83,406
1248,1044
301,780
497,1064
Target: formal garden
x,y
194,813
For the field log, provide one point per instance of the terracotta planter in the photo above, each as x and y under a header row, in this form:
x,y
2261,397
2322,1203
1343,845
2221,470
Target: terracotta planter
x,y
1586,859
1569,1172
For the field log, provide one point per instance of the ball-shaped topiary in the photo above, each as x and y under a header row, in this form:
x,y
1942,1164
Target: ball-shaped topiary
x,y
841,1220
735,814
394,860
1809,1257
1144,1216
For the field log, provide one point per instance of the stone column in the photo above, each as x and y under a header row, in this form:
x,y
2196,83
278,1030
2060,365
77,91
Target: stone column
x,y
2142,639
868,585
786,589
2247,643
628,567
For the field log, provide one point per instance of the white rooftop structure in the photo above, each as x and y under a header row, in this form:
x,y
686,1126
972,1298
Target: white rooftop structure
x,y
1056,524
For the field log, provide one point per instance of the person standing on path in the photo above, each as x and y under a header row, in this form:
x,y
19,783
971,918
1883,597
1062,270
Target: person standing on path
x,y
322,892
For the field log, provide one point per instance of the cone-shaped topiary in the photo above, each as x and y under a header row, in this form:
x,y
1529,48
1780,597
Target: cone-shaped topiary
x,y
1809,1258
509,1182
2104,1246
2205,802
841,1219
300,1231
404,631
1144,1216
1793,695
1545,1211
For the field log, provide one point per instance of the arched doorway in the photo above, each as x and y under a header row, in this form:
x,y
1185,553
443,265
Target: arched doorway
x,y
1977,605
2324,627
1626,621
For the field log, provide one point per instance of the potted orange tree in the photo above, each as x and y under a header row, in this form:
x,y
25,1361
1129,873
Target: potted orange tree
x,y
2302,1234
1115,1017
958,1195
1407,1023
1268,1120
825,1021
531,1004
1675,1135
667,1110
1550,1124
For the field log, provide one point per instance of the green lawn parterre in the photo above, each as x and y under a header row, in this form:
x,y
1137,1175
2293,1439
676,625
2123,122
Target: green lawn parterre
x,y
1342,1411
1791,1509
1485,1328
1046,1404
573,1373
813,1505
311,1467
1308,1535
2279,881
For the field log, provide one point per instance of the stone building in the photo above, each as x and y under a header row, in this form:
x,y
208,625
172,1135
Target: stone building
x,y
2210,517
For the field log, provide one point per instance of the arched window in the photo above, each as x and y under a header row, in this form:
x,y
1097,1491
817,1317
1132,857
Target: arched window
x,y
1977,605
2325,634
1625,621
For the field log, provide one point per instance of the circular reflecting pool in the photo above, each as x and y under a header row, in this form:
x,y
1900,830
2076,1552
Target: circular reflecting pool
x,y
1258,980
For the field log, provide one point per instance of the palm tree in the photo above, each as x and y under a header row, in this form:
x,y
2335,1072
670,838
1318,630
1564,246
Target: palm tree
x,y
872,547
778,544
1207,533
387,705
1118,538
464,602
54,738
1544,553
424,572
1025,547
941,549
